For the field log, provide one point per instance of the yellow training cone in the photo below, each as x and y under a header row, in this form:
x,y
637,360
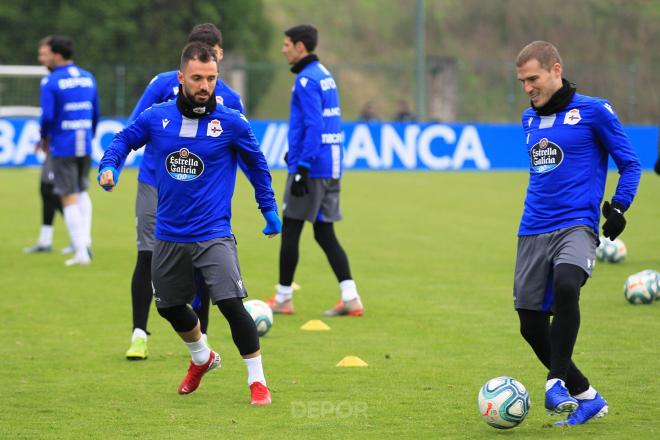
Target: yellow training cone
x,y
315,325
352,361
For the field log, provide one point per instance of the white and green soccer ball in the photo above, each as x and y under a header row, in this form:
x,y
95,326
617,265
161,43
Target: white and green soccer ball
x,y
641,287
611,251
654,274
503,402
261,314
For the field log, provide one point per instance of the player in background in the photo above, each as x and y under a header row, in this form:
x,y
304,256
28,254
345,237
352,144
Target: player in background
x,y
194,144
70,113
50,204
569,137
315,167
162,88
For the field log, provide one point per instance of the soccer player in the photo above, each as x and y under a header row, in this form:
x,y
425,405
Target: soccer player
x,y
70,113
162,88
315,167
569,137
194,143
50,204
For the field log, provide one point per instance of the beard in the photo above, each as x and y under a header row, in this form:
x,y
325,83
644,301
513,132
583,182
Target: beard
x,y
200,98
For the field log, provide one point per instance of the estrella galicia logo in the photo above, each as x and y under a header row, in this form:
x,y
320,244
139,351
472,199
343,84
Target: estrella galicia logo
x,y
184,165
545,156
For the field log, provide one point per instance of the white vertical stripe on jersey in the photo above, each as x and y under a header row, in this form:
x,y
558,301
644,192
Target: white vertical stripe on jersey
x,y
336,161
188,127
81,143
548,121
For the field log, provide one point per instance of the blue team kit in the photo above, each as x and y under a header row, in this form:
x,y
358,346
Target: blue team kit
x,y
70,111
195,168
573,146
162,88
315,130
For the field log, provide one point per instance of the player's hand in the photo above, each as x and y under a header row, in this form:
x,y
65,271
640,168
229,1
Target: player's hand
x,y
41,145
108,178
273,224
615,222
657,166
299,186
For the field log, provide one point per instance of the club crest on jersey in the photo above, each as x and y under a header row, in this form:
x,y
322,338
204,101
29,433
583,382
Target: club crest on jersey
x,y
214,129
572,117
545,156
219,100
184,165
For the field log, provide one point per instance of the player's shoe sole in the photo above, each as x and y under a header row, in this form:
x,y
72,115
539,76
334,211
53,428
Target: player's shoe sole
x,y
78,261
38,249
282,308
353,307
588,410
558,401
138,350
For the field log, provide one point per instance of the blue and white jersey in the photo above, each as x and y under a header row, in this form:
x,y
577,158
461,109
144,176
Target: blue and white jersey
x,y
70,111
195,168
315,131
568,154
162,88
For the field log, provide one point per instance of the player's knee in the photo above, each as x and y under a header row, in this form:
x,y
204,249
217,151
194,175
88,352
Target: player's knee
x,y
181,317
232,308
324,233
243,330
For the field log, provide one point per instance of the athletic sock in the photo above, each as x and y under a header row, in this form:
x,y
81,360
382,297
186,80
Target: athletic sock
x,y
46,235
587,395
284,293
255,370
85,205
73,221
551,382
199,351
348,290
139,333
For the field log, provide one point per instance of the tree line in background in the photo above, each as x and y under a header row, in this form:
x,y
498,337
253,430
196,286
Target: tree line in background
x,y
129,41
609,47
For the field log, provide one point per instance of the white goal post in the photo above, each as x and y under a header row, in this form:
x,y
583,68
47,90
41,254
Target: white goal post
x,y
16,82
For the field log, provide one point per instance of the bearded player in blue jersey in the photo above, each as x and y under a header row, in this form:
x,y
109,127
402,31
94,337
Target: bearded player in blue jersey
x,y
315,167
162,88
569,137
195,143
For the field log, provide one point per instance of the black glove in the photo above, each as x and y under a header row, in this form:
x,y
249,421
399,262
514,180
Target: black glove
x,y
657,166
299,186
286,158
615,222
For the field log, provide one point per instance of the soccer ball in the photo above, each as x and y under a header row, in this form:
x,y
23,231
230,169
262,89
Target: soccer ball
x,y
656,275
641,288
611,251
261,313
503,402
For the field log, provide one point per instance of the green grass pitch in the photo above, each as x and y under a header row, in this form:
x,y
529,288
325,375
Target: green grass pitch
x,y
433,256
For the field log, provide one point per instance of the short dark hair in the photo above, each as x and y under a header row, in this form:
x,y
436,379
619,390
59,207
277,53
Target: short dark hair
x,y
197,51
206,33
59,44
306,33
542,51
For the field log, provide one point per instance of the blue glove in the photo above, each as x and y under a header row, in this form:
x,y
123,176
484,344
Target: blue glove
x,y
273,223
115,177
